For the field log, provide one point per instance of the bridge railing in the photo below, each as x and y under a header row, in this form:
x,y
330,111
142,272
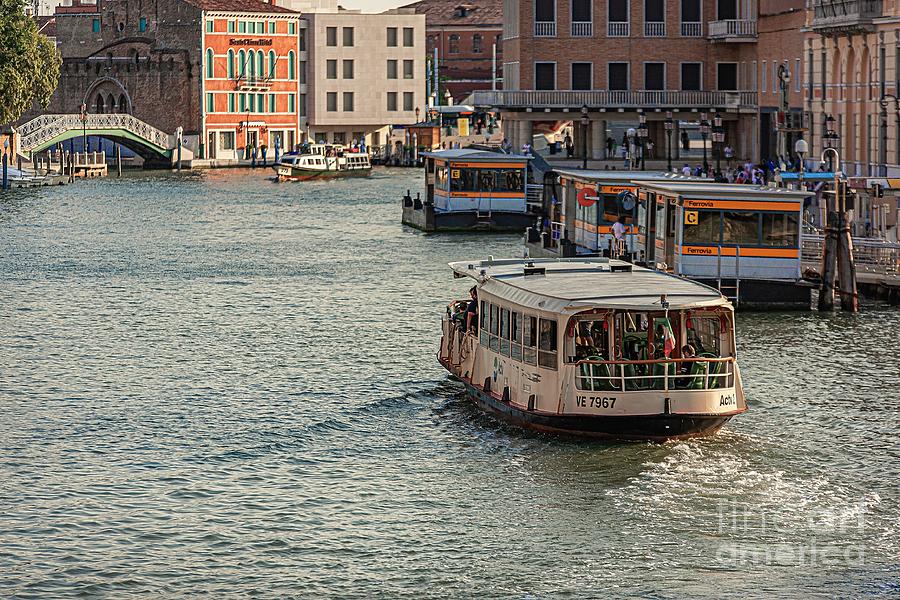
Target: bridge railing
x,y
46,127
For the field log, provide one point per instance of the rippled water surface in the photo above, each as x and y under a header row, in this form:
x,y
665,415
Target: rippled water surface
x,y
213,385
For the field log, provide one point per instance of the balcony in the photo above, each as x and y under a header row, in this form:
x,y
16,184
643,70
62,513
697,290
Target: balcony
x,y
733,30
618,29
845,16
654,29
252,84
582,29
692,29
611,99
545,29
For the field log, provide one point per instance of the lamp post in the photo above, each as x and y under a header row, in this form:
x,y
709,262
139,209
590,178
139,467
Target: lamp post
x,y
585,121
670,126
642,136
704,133
801,148
883,152
830,141
5,180
718,138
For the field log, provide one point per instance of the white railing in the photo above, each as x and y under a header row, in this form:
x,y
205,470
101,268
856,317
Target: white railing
x,y
654,29
612,99
618,29
582,29
702,373
46,127
545,28
690,29
733,28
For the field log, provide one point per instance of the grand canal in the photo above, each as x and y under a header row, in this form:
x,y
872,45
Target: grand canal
x,y
215,385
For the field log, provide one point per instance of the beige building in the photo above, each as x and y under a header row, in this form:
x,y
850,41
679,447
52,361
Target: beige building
x,y
363,74
853,61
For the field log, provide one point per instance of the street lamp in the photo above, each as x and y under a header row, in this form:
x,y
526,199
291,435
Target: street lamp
x,y
801,148
704,133
670,126
718,138
883,152
829,138
585,121
642,136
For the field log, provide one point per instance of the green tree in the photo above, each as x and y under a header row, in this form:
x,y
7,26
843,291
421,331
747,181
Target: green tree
x,y
29,62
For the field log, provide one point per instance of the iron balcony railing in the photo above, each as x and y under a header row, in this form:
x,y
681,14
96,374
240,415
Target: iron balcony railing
x,y
582,29
654,29
733,28
545,28
562,99
841,14
618,29
692,29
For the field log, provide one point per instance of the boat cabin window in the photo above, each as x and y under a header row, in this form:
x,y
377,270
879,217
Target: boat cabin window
x,y
619,204
486,180
515,335
780,229
440,178
741,228
529,340
589,339
704,334
504,331
547,344
706,231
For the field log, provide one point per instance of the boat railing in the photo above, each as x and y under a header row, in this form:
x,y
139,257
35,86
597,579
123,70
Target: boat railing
x,y
700,373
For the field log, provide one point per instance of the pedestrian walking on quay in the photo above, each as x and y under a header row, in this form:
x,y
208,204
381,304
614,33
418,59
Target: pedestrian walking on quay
x,y
685,141
263,150
253,157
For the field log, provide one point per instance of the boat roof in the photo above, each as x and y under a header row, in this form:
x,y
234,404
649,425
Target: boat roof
x,y
575,284
617,176
724,191
474,154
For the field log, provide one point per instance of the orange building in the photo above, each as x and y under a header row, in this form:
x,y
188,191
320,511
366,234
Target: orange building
x,y
250,83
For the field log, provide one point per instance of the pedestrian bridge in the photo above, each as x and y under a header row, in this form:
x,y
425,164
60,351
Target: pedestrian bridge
x,y
153,145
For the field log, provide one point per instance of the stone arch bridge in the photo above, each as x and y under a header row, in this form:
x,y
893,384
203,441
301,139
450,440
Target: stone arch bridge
x,y
156,147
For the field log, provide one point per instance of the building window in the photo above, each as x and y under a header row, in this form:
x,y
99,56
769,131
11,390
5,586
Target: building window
x,y
301,44
230,63
271,103
209,25
331,36
272,27
392,37
408,37
226,140
291,64
142,24
260,64
272,62
581,76
348,69
292,28
477,43
331,102
691,78
654,76
95,25
618,11
764,79
408,101
209,63
301,73
242,27
654,11
408,69
251,27
242,102
230,26
331,69
348,36
545,11
231,102
545,76
726,10
581,11
348,101
798,74
242,63
291,101
210,103
726,77
392,69
454,44
302,104
392,101
617,76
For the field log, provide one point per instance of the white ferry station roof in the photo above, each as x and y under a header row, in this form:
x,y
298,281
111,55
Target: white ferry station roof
x,y
635,176
576,284
721,191
463,154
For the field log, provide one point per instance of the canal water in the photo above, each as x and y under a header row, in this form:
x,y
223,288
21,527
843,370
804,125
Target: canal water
x,y
215,385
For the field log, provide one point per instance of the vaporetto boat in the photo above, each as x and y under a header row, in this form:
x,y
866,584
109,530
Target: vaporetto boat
x,y
594,347
322,160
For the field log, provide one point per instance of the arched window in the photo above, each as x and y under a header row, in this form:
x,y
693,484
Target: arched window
x,y
100,104
209,63
291,64
230,64
123,104
454,44
271,64
110,103
260,66
242,63
251,65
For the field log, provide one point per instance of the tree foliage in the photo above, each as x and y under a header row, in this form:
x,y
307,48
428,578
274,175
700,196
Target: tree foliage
x,y
29,62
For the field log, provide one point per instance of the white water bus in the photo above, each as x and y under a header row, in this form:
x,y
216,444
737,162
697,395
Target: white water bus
x,y
594,347
323,160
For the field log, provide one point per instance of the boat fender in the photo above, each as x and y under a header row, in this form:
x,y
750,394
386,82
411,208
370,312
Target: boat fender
x,y
531,402
487,385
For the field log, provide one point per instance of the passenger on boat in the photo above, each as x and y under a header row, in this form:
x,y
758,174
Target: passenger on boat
x,y
687,351
471,318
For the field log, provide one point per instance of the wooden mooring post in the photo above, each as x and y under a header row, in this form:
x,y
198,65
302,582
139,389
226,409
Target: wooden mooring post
x,y
118,160
829,257
846,266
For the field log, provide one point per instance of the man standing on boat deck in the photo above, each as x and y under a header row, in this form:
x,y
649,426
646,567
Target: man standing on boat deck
x,y
618,230
471,320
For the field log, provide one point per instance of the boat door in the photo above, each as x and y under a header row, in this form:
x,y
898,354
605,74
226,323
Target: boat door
x,y
670,232
212,138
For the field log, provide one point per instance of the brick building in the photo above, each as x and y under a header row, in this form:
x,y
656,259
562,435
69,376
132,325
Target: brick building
x,y
464,35
852,61
151,59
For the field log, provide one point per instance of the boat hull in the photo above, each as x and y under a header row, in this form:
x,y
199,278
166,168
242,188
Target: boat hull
x,y
640,427
299,174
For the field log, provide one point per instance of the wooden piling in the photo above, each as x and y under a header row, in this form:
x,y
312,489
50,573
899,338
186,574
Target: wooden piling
x,y
846,267
118,160
829,261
